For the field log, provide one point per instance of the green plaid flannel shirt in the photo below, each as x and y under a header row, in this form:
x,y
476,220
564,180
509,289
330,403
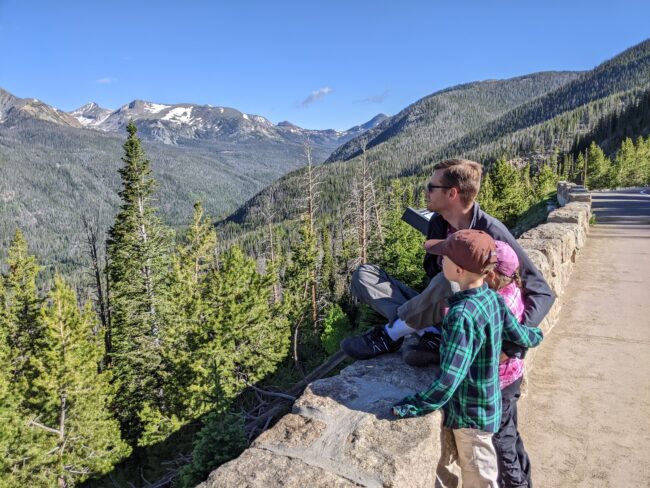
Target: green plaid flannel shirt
x,y
467,385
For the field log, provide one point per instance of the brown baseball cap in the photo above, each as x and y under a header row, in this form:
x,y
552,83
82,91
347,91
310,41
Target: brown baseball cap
x,y
470,249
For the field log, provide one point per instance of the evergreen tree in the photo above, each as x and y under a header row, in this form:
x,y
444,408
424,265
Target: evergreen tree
x,y
19,454
191,267
336,327
72,398
643,154
545,182
402,253
20,310
578,172
599,169
625,163
245,337
641,168
508,192
486,195
138,249
221,439
298,280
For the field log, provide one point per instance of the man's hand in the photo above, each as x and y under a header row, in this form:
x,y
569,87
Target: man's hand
x,y
430,243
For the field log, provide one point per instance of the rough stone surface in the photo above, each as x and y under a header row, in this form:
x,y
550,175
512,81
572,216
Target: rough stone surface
x,y
341,426
551,250
257,468
556,233
340,432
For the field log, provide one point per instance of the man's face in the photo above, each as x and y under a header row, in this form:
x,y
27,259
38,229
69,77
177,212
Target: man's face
x,y
438,198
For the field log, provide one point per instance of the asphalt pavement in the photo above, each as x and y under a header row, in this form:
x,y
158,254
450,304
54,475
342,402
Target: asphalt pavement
x,y
586,418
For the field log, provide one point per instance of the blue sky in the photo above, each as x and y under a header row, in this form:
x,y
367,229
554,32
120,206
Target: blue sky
x,y
318,64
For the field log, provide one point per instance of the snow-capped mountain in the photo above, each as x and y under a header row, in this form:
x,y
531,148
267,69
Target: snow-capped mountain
x,y
182,123
91,114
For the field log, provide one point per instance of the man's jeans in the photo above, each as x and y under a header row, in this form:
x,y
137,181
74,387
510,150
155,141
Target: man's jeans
x,y
392,298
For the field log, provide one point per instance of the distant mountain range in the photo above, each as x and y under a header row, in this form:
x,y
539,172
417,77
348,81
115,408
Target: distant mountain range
x,y
181,123
56,165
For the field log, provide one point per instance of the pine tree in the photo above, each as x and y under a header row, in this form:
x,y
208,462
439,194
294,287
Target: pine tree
x,y
545,182
297,303
643,153
19,455
625,164
221,439
20,310
72,397
599,170
578,170
641,167
486,195
508,192
138,248
245,337
336,327
400,255
187,284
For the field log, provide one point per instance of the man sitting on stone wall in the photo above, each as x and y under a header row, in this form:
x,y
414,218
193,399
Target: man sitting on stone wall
x,y
451,194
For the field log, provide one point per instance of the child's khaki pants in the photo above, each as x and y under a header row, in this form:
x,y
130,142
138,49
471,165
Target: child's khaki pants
x,y
475,454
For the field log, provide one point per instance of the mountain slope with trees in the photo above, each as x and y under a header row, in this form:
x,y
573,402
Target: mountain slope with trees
x,y
536,131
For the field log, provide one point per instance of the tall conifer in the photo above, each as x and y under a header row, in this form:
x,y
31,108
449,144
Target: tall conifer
x,y
138,248
20,310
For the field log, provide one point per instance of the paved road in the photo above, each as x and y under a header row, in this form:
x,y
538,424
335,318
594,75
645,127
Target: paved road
x,y
586,419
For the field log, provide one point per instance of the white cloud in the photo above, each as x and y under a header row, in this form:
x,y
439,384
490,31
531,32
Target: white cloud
x,y
375,98
105,81
316,95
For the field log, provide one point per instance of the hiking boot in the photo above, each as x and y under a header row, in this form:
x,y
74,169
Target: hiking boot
x,y
423,350
370,344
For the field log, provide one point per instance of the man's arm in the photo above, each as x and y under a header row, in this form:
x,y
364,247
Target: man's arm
x,y
458,353
520,334
538,296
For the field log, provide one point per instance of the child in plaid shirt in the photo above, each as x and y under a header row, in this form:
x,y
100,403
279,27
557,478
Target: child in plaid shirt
x,y
467,385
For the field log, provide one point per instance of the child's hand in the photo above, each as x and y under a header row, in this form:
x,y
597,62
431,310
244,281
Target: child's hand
x,y
405,408
503,358
411,406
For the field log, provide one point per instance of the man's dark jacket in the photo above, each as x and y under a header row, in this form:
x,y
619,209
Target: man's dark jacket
x,y
538,296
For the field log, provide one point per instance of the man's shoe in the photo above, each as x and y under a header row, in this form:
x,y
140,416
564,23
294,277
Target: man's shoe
x,y
370,344
424,350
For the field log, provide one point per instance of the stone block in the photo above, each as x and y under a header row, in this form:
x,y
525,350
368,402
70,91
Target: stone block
x,y
341,433
562,234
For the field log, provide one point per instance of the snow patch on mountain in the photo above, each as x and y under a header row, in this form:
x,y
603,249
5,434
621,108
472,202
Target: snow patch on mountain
x,y
181,115
154,108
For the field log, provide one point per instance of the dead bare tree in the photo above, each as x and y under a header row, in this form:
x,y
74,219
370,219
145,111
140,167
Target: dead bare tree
x,y
268,214
101,301
311,200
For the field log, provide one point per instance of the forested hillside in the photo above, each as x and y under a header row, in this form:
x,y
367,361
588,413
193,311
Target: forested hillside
x,y
536,131
453,112
55,173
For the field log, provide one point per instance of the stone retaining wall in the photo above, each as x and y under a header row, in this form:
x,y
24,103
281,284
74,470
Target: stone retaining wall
x,y
340,433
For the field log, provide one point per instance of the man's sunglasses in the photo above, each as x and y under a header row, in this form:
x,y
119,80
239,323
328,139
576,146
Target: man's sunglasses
x,y
431,187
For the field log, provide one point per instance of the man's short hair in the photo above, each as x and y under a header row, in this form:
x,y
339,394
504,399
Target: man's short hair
x,y
462,174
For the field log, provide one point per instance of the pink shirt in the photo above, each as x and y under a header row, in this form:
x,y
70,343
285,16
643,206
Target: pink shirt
x,y
513,368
